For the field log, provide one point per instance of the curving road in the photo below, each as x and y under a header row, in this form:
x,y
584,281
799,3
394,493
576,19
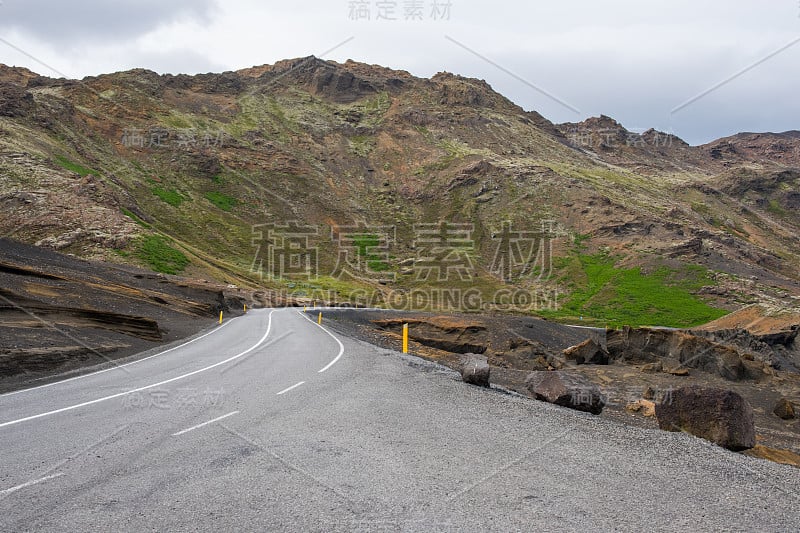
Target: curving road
x,y
270,422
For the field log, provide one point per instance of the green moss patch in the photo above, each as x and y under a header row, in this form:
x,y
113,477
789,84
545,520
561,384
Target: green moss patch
x,y
222,201
605,294
170,196
75,167
156,252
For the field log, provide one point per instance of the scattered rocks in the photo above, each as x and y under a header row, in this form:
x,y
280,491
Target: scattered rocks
x,y
540,363
475,370
567,390
645,407
587,352
653,368
718,415
555,362
784,409
649,345
678,371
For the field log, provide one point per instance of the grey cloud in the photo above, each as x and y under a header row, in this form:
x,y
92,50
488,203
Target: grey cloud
x,y
643,94
91,21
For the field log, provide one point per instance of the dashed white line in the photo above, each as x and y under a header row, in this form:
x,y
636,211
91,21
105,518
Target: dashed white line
x,y
30,483
198,426
154,385
341,346
115,367
290,388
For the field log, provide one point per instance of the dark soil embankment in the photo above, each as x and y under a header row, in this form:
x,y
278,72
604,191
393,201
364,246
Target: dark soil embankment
x,y
59,314
508,342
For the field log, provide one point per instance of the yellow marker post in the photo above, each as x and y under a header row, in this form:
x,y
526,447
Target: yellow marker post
x,y
220,317
245,308
405,338
319,318
305,308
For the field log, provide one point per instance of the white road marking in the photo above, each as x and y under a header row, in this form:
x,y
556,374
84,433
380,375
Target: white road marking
x,y
30,483
154,385
198,426
115,367
341,346
290,388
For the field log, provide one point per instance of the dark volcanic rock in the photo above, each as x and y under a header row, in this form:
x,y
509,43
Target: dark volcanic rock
x,y
475,370
15,101
784,409
567,390
648,345
718,415
587,352
777,349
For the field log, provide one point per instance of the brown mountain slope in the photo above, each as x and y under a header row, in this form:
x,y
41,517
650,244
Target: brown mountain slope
x,y
135,166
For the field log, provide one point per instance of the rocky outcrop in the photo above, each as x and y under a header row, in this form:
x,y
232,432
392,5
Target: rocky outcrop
x,y
776,348
720,416
649,345
567,390
588,352
15,101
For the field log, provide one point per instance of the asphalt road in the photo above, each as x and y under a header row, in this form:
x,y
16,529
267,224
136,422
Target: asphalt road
x,y
273,423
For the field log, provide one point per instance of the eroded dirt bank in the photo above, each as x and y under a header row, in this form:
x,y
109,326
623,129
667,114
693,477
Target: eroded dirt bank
x,y
59,314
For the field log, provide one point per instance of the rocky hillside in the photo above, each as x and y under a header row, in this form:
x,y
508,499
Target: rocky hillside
x,y
357,182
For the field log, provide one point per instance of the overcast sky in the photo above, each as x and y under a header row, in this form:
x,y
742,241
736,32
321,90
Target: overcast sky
x,y
642,63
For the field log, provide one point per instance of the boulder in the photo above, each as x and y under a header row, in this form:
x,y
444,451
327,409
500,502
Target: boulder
x,y
784,409
718,415
567,390
475,370
587,352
